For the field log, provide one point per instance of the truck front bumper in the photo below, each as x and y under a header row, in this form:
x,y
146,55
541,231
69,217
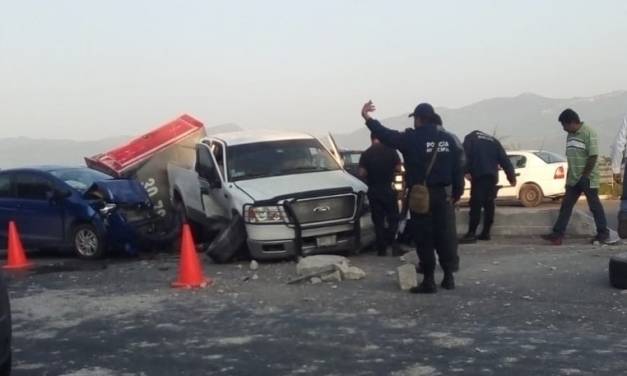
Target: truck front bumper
x,y
268,242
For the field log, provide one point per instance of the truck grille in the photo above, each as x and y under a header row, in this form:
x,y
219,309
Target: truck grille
x,y
325,209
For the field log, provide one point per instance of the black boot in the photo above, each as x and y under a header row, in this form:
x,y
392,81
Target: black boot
x,y
426,287
448,282
469,238
484,236
485,233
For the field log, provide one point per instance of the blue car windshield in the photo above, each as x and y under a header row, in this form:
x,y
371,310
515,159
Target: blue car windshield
x,y
80,178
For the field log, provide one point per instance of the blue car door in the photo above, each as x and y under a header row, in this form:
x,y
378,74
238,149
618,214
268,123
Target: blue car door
x,y
8,205
39,218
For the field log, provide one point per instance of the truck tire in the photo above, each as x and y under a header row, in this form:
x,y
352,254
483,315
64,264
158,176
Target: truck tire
x,y
228,242
531,195
618,271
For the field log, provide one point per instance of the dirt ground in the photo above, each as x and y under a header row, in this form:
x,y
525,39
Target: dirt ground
x,y
518,310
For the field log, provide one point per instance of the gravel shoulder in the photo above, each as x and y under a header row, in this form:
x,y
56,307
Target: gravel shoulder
x,y
518,309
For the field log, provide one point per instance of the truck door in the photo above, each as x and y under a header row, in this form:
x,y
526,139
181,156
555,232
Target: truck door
x,y
210,182
335,151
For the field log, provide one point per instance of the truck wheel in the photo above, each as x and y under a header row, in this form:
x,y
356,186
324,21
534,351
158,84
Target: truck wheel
x,y
180,218
531,195
87,243
618,271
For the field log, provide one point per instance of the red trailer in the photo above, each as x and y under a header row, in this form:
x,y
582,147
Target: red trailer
x,y
146,157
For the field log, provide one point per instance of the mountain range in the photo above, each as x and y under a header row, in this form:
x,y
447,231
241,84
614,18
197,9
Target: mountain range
x,y
527,121
23,151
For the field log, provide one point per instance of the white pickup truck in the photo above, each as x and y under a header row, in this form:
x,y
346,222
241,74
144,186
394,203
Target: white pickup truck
x,y
285,191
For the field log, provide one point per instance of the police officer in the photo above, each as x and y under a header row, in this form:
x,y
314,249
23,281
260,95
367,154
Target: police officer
x,y
484,155
432,230
377,166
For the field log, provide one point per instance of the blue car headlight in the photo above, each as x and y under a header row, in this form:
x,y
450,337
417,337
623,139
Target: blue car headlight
x,y
107,209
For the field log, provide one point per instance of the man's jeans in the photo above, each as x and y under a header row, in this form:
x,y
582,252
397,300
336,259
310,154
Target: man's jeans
x,y
570,199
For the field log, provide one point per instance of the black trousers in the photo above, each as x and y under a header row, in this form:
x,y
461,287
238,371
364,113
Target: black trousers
x,y
483,192
385,215
436,232
594,203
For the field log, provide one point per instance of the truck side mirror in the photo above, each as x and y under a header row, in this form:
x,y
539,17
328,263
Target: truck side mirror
x,y
210,174
215,182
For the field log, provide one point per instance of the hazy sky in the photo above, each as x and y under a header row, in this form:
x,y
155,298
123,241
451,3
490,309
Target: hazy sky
x,y
90,69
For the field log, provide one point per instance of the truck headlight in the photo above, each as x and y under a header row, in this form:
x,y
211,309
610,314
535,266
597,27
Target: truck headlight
x,y
264,214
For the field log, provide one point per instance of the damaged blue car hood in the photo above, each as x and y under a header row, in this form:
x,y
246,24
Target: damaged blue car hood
x,y
121,191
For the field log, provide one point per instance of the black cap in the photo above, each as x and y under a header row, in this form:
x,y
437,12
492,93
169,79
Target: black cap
x,y
423,111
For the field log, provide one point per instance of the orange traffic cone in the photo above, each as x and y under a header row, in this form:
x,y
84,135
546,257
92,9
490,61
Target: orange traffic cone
x,y
16,256
190,270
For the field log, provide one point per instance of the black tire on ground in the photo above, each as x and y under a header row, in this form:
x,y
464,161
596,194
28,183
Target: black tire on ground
x,y
87,242
5,369
531,195
618,271
229,241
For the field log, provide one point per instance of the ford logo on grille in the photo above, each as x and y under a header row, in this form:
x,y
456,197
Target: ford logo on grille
x,y
321,209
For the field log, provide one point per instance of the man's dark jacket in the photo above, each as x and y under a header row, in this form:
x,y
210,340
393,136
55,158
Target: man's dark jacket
x,y
417,147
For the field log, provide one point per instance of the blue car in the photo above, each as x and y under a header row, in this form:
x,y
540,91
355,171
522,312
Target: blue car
x,y
79,209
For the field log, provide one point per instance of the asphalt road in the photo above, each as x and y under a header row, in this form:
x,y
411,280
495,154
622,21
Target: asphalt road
x,y
523,309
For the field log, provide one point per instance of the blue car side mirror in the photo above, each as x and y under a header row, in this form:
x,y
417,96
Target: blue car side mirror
x,y
57,195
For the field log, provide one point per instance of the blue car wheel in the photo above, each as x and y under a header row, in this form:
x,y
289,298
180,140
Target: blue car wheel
x,y
88,244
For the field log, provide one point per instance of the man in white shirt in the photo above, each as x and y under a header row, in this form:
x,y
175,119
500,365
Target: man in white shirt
x,y
618,152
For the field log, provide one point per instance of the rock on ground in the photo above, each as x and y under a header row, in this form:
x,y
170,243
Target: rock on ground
x,y
354,273
407,276
314,264
335,276
410,258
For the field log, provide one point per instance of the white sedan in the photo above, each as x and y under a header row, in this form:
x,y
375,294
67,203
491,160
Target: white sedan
x,y
540,174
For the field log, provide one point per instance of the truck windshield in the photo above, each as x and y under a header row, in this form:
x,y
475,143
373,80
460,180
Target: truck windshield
x,y
275,158
80,178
